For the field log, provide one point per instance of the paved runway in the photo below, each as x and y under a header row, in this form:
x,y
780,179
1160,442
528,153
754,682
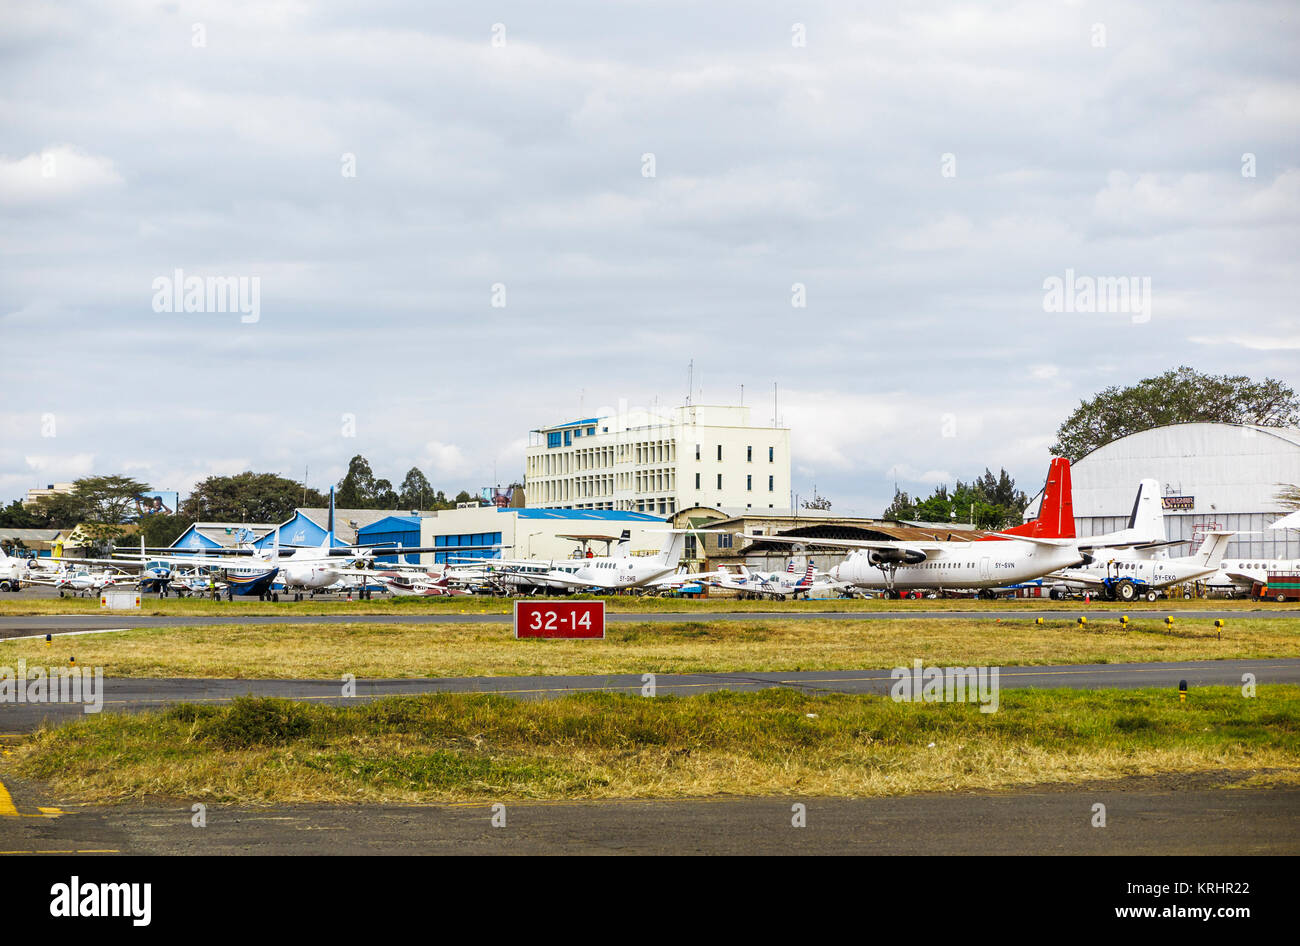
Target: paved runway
x,y
1139,820
20,626
133,695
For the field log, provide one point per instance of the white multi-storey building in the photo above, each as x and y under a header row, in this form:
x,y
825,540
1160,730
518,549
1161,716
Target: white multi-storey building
x,y
643,462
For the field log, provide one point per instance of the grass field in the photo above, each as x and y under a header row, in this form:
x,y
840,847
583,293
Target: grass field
x,y
27,605
448,747
295,651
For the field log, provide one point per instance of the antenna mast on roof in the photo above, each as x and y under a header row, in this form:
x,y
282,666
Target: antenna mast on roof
x,y
690,380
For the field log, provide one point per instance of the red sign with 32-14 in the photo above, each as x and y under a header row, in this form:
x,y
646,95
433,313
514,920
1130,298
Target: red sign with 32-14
x,y
564,619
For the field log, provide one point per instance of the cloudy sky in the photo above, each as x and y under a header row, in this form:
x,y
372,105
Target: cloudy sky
x,y
921,169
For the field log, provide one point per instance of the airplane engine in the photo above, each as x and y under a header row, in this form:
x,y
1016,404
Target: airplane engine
x,y
883,557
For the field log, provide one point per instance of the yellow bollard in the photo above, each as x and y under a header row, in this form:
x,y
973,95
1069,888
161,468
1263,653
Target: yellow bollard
x,y
1123,620
1038,621
1169,620
1182,691
1082,620
1218,624
49,639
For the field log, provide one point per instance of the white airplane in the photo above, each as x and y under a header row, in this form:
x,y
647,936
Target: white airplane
x,y
422,583
83,581
775,585
1126,575
1239,575
616,572
13,571
1014,555
249,570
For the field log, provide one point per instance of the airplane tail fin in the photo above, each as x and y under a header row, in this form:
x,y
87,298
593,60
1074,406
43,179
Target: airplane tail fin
x,y
1056,512
624,547
329,525
671,553
808,573
1212,549
1148,517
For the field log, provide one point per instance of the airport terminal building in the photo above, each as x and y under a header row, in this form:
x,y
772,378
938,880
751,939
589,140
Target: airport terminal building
x,y
643,462
1212,477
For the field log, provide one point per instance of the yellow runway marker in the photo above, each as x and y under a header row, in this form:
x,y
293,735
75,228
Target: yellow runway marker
x,y
6,803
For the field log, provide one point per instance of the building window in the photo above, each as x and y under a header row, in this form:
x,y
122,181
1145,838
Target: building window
x,y
725,540
697,451
771,483
749,454
553,439
749,482
591,431
697,481
719,481
719,453
771,454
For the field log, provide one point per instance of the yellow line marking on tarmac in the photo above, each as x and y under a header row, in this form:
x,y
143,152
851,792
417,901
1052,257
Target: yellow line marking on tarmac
x,y
85,851
7,807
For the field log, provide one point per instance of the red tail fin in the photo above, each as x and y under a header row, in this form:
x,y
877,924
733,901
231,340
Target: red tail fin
x,y
1056,513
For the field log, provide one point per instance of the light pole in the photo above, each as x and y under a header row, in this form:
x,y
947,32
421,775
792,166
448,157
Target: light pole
x,y
530,543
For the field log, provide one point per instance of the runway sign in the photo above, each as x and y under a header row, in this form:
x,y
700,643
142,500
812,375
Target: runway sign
x,y
119,600
560,619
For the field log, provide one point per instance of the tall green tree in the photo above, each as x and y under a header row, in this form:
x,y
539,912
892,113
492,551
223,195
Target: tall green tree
x,y
1178,396
109,500
357,488
247,497
18,516
988,502
416,490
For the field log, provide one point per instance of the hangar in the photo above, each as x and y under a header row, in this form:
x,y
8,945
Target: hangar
x,y
1212,476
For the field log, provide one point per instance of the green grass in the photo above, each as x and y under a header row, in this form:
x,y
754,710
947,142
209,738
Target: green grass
x,y
447,747
289,651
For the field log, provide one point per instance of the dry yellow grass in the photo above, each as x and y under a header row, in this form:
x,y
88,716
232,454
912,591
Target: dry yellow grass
x,y
394,650
450,747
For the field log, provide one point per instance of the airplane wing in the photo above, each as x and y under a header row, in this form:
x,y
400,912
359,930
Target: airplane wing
x,y
922,548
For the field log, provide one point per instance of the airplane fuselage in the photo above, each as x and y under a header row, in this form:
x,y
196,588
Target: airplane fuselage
x,y
991,564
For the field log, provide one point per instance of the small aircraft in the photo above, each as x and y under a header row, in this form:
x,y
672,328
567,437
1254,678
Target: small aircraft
x,y
1127,576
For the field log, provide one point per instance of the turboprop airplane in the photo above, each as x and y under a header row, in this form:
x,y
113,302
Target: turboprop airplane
x,y
613,571
1013,555
1127,577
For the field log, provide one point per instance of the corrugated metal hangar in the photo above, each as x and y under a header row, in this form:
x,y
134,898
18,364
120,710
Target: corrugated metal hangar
x,y
1212,476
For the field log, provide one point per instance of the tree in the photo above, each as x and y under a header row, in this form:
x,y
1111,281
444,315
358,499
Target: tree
x,y
247,497
110,500
18,516
1178,396
357,488
1289,495
416,490
385,497
989,502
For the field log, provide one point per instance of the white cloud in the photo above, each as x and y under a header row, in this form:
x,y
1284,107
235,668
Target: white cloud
x,y
57,173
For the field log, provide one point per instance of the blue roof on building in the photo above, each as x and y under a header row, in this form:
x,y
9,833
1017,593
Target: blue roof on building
x,y
573,423
392,524
607,515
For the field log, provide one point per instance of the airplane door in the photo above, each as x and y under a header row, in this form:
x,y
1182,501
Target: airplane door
x,y
985,572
